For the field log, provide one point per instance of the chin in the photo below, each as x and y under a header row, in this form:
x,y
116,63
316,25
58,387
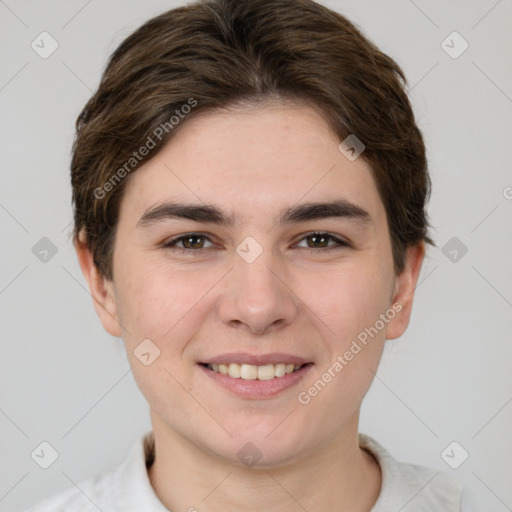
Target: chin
x,y
261,447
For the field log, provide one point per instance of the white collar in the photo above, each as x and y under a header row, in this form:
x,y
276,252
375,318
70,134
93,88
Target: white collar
x,y
404,486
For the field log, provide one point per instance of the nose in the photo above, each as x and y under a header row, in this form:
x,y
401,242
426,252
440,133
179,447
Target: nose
x,y
258,296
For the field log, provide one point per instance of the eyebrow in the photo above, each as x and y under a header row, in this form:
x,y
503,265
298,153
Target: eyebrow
x,y
211,214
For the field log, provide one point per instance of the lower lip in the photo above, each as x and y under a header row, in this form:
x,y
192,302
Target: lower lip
x,y
254,389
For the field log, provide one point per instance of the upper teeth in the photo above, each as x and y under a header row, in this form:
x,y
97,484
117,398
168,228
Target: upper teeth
x,y
252,372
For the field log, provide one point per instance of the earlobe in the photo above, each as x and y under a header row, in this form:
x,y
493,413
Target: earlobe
x,y
405,285
101,289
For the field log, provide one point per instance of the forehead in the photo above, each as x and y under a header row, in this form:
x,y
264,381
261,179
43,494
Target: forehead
x,y
254,162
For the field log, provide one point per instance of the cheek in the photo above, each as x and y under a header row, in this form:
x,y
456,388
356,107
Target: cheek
x,y
155,305
352,299
350,306
165,304
151,301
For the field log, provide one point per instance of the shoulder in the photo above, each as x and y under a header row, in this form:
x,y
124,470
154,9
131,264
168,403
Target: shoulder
x,y
409,487
86,496
124,487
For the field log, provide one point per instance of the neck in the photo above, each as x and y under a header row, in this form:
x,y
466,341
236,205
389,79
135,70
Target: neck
x,y
338,476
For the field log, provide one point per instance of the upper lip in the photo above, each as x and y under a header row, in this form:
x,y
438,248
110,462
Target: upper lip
x,y
258,360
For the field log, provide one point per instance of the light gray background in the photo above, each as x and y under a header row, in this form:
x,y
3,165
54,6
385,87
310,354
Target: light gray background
x,y
65,381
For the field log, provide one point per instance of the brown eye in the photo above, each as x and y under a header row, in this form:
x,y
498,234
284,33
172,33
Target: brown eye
x,y
193,242
318,240
323,241
188,242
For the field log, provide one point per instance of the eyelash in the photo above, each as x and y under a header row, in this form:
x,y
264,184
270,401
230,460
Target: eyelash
x,y
171,244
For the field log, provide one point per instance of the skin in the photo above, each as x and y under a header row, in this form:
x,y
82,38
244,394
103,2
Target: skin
x,y
296,298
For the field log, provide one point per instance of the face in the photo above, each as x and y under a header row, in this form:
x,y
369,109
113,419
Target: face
x,y
253,275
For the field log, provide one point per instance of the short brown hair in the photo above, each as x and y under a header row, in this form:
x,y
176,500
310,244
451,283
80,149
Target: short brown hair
x,y
214,54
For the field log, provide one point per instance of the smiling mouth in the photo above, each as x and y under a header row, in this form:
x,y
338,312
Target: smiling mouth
x,y
255,372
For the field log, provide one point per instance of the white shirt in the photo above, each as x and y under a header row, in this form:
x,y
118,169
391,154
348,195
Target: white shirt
x,y
127,488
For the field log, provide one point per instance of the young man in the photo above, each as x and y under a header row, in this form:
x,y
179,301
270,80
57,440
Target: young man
x,y
249,187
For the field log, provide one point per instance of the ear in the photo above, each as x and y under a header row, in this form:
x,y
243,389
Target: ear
x,y
102,289
405,285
